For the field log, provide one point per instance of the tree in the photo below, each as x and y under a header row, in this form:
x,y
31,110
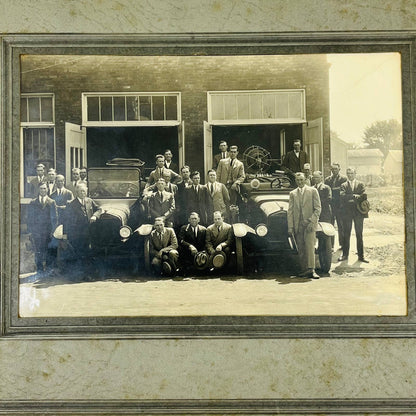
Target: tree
x,y
384,135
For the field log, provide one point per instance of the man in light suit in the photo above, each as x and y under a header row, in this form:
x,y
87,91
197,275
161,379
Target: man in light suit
x,y
223,154
72,186
219,237
35,182
231,173
219,196
302,218
197,198
61,196
42,221
162,203
334,181
352,193
295,159
163,246
191,239
161,172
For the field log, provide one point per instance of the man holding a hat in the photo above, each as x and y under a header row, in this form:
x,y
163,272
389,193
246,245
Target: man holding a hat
x,y
354,207
192,241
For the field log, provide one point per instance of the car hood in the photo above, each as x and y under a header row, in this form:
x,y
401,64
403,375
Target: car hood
x,y
271,204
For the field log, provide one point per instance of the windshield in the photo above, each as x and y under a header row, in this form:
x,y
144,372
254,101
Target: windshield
x,y
114,182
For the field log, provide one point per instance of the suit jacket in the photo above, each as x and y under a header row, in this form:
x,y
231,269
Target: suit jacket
x,y
62,201
220,199
42,219
50,192
198,202
73,188
293,163
217,159
161,207
213,238
325,195
76,222
307,207
167,174
168,240
187,237
229,175
335,182
173,166
34,186
351,197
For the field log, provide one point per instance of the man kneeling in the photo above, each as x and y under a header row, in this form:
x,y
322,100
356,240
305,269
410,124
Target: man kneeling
x,y
163,248
219,241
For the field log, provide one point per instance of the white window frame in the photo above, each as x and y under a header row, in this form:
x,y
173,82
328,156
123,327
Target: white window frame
x,y
39,124
226,122
118,123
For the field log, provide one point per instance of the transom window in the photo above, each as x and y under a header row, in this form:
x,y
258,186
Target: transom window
x,y
256,107
37,109
131,109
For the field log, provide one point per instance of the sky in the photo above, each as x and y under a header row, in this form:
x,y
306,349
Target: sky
x,y
364,88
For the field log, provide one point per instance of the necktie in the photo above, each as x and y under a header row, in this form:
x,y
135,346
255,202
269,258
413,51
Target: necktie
x,y
223,155
231,162
196,231
43,201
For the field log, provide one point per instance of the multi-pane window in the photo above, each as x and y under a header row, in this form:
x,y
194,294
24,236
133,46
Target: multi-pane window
x,y
270,106
133,108
38,134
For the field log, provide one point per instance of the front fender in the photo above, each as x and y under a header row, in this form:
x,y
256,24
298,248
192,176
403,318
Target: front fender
x,y
144,229
240,229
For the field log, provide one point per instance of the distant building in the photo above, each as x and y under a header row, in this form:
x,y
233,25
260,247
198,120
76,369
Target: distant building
x,y
393,166
339,149
368,164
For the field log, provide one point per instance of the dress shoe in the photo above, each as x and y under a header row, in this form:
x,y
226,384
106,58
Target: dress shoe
x,y
342,258
314,275
306,273
363,260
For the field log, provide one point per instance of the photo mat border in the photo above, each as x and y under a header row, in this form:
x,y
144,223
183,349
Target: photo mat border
x,y
12,46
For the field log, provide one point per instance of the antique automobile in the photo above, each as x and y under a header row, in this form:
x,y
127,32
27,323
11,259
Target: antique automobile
x,y
262,227
118,236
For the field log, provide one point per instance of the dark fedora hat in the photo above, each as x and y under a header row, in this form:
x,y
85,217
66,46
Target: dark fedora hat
x,y
201,260
167,268
219,260
363,207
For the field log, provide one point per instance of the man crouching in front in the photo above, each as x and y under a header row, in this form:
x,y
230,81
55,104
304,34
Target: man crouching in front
x,y
163,248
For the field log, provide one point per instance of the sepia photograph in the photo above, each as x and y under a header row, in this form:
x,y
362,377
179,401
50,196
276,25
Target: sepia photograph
x,y
247,185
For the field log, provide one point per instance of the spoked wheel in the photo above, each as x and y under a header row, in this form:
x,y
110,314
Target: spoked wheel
x,y
256,159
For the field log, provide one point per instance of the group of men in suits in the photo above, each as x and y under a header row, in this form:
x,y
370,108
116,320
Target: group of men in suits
x,y
336,199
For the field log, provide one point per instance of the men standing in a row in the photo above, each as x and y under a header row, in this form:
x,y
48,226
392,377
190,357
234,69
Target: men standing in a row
x,y
42,221
35,182
302,218
352,194
219,196
163,247
223,154
231,173
197,198
334,181
295,159
324,241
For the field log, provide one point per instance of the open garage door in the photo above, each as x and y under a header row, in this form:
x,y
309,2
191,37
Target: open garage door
x,y
313,142
207,147
75,148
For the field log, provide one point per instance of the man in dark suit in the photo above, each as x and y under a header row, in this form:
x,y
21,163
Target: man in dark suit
x,y
302,218
197,198
191,239
295,159
334,181
352,193
324,241
162,203
168,161
79,213
180,198
223,154
219,237
61,196
35,182
51,181
163,246
219,196
42,221
231,173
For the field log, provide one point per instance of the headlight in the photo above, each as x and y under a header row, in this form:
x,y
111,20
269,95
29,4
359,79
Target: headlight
x,y
125,231
261,230
255,183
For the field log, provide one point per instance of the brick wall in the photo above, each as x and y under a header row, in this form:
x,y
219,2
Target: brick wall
x,y
69,76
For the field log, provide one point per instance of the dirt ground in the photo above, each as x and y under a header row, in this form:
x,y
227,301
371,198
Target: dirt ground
x,y
353,288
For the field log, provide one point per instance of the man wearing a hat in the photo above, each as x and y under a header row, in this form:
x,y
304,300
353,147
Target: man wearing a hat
x,y
219,240
354,209
163,248
191,240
